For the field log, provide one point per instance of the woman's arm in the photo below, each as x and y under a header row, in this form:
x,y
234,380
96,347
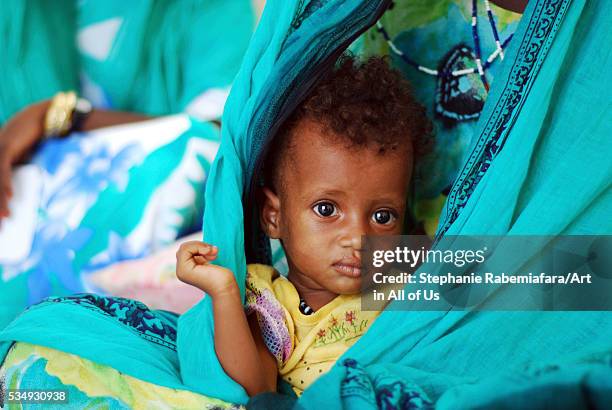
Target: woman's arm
x,y
102,118
96,119
22,132
238,342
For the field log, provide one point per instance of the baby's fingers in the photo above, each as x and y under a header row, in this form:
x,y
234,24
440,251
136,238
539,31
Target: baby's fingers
x,y
197,251
201,260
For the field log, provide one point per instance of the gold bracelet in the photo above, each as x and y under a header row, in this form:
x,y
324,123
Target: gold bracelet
x,y
59,114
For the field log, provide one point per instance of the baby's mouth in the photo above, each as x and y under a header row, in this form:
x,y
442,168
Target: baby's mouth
x,y
348,268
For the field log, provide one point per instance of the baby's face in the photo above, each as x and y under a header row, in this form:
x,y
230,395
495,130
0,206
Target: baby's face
x,y
331,197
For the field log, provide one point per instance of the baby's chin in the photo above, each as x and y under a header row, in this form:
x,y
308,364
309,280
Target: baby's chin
x,y
352,288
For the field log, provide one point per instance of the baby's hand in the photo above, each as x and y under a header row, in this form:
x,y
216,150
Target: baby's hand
x,y
193,267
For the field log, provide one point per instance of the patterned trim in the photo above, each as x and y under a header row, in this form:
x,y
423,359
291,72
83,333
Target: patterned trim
x,y
133,314
271,319
304,12
390,393
543,26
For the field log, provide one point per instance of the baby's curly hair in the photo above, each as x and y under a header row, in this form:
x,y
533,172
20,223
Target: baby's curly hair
x,y
361,104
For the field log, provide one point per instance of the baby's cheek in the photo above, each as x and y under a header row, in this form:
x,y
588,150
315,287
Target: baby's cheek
x,y
309,245
300,251
309,238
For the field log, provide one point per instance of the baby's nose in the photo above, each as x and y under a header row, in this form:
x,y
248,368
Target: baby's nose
x,y
353,241
353,231
357,244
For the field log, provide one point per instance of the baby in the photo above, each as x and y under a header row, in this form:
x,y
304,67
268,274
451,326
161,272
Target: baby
x,y
340,169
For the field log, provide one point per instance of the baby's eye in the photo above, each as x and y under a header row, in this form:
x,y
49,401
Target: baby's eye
x,y
325,209
383,217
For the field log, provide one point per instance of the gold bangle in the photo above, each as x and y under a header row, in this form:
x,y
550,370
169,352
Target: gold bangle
x,y
59,114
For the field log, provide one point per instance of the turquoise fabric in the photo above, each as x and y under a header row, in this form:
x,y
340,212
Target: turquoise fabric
x,y
60,325
539,164
167,52
34,67
294,43
163,55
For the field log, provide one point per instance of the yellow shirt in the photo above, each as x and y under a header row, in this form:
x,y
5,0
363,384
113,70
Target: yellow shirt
x,y
305,346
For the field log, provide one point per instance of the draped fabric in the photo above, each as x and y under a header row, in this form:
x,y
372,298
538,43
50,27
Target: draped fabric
x,y
168,53
538,164
34,66
154,57
294,43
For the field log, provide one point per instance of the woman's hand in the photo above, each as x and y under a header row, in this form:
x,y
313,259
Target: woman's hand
x,y
17,138
193,267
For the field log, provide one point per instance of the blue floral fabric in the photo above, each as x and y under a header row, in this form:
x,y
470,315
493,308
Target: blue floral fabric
x,y
107,196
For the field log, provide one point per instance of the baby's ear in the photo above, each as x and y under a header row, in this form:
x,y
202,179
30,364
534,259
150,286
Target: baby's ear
x,y
270,213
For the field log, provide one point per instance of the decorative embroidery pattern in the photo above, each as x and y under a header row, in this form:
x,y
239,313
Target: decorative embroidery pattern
x,y
271,319
304,12
147,323
390,393
543,26
345,329
458,99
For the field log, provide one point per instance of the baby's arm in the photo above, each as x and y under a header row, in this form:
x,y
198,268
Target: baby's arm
x,y
238,342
